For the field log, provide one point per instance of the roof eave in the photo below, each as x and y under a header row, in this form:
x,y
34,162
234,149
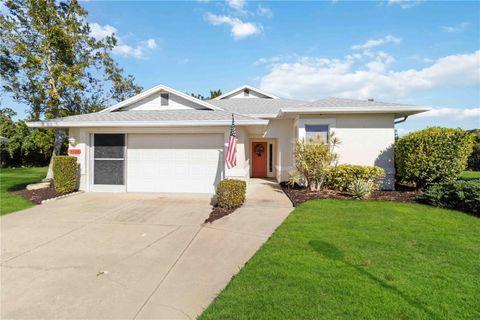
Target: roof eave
x,y
143,124
146,93
397,111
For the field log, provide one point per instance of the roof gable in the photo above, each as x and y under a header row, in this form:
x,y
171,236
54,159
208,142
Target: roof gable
x,y
246,91
150,100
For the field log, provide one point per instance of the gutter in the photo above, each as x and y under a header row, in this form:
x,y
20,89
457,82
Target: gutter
x,y
378,109
401,120
140,124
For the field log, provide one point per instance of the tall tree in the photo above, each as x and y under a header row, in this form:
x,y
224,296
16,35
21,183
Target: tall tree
x,y
50,62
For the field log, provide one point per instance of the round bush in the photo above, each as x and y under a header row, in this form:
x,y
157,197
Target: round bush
x,y
432,155
231,193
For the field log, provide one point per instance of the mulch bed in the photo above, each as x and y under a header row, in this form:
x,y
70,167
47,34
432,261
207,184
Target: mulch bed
x,y
37,196
299,195
217,213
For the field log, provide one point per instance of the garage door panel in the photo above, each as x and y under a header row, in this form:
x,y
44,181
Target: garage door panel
x,y
174,163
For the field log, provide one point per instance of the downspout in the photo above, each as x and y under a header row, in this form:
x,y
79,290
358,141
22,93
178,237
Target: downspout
x,y
402,120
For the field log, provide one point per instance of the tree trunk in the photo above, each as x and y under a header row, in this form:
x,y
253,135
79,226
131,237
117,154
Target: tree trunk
x,y
57,148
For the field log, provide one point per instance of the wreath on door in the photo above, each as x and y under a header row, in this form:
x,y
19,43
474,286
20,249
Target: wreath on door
x,y
259,149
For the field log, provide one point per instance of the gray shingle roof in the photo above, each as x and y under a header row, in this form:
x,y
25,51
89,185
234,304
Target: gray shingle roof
x,y
255,106
332,102
154,115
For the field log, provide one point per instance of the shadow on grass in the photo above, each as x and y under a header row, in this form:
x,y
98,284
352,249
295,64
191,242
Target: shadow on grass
x,y
18,187
331,252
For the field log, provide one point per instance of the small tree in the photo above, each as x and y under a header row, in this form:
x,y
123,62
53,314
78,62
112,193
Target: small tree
x,y
314,158
432,155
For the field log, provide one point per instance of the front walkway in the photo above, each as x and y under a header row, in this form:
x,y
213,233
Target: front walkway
x,y
129,256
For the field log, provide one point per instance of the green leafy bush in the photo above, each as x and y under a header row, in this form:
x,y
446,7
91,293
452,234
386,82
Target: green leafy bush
x,y
340,177
474,159
65,170
360,189
432,155
461,195
26,147
231,193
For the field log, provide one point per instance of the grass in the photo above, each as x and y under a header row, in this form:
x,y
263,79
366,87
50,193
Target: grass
x,y
16,178
470,175
349,259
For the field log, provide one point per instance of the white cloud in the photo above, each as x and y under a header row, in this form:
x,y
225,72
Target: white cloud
x,y
449,113
238,5
404,4
99,32
239,28
264,11
129,51
139,51
151,43
458,28
311,78
377,42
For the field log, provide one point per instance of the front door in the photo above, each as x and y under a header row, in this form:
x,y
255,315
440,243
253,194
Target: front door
x,y
259,159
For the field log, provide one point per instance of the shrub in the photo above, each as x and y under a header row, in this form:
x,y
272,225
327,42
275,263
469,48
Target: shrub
x,y
65,170
432,155
461,195
293,178
360,189
474,159
231,193
342,176
313,160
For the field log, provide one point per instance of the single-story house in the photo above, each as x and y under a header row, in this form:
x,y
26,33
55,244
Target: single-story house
x,y
163,140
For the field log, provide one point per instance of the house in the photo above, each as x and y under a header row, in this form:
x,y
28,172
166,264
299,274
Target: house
x,y
163,140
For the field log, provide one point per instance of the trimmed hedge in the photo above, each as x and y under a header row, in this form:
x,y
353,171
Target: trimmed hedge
x,y
432,155
65,170
342,176
231,193
461,195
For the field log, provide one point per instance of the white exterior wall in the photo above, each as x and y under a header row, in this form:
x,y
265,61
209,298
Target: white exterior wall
x,y
284,133
364,139
82,135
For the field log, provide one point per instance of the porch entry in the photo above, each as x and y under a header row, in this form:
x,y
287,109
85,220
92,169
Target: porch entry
x,y
259,159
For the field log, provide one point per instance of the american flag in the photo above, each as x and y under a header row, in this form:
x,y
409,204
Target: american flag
x,y
231,155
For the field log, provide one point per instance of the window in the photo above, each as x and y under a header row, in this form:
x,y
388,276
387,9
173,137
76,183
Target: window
x,y
246,93
164,99
314,131
270,157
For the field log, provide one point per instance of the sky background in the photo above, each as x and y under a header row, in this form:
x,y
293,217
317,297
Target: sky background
x,y
414,52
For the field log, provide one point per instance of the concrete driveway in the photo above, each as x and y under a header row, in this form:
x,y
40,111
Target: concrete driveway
x,y
128,256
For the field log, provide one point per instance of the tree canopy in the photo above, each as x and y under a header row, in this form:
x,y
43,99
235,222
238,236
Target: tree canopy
x,y
50,62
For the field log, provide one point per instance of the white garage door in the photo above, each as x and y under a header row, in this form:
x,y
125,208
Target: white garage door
x,y
174,163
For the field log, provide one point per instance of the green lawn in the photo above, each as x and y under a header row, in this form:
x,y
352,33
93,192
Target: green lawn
x,y
16,178
346,259
470,175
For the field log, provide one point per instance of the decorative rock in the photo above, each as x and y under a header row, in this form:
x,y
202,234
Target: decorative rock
x,y
40,185
61,197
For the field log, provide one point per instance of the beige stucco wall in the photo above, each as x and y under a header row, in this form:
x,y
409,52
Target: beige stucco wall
x,y
365,139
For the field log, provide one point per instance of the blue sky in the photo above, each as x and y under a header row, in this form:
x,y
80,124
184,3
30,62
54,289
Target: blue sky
x,y
416,52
